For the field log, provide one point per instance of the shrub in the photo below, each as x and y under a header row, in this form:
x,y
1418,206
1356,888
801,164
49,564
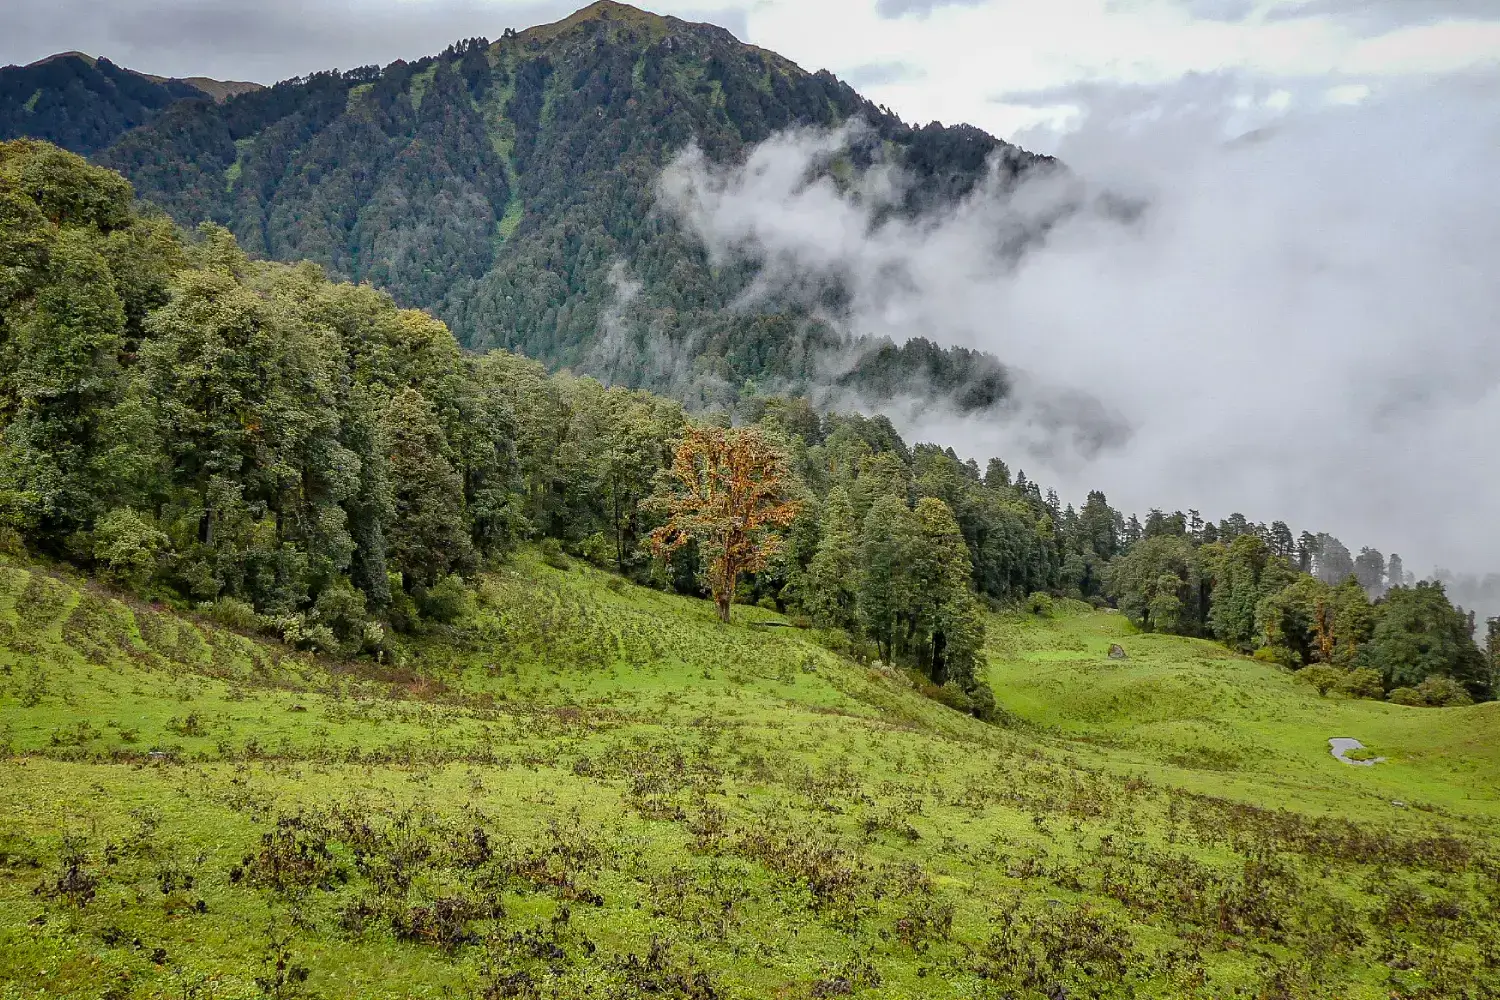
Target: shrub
x,y
1322,677
402,611
598,550
1436,691
1405,696
11,542
1443,692
342,608
954,697
233,613
1040,605
129,546
1279,655
446,601
1363,683
552,553
983,702
315,637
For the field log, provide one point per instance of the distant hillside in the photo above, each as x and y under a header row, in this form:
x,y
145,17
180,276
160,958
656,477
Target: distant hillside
x,y
501,185
84,104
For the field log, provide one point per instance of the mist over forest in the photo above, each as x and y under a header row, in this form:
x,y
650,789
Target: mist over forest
x,y
1273,305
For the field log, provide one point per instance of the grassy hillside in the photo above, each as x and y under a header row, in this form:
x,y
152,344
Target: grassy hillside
x,y
590,789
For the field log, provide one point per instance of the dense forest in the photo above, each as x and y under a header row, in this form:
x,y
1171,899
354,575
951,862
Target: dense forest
x,y
302,456
509,188
85,104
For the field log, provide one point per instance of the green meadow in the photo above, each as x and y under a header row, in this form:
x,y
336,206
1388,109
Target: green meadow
x,y
589,789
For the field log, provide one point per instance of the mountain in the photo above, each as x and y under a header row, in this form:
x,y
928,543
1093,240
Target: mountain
x,y
84,104
509,188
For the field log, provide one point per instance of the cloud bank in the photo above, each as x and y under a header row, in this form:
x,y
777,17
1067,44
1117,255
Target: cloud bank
x,y
1300,325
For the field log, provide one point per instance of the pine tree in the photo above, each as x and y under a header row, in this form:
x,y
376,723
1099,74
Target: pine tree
x,y
1237,591
833,575
1281,540
1395,571
885,547
996,474
1369,570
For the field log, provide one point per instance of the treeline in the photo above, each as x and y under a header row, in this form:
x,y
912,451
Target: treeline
x,y
1360,625
295,454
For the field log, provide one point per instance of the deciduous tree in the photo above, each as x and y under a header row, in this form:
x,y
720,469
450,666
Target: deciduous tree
x,y
727,491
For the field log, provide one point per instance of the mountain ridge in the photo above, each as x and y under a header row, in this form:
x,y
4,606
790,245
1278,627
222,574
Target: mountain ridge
x,y
83,103
509,188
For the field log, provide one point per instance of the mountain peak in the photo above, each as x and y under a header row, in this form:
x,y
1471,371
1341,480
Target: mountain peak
x,y
603,11
613,16
58,56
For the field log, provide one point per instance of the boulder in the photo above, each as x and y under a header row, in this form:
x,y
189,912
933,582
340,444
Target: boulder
x,y
1117,652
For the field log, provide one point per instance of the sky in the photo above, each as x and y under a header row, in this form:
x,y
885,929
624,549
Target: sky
x,y
946,60
1304,324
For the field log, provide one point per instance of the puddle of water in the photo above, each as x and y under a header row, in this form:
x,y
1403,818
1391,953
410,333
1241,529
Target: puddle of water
x,y
1341,745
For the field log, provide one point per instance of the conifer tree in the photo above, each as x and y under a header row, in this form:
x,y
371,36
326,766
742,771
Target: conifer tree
x,y
833,574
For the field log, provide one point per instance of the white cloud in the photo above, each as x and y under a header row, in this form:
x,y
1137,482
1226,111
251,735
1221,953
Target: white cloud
x,y
1302,325
971,54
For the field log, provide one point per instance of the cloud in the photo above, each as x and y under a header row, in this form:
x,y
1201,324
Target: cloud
x,y
881,74
736,20
1370,17
919,8
1300,325
275,39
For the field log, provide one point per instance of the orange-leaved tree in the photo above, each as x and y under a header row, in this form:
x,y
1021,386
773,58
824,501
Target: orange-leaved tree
x,y
727,491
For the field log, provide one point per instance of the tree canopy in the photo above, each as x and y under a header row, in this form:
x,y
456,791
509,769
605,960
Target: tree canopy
x,y
254,439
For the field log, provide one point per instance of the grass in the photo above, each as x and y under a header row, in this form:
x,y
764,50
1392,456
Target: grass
x,y
592,789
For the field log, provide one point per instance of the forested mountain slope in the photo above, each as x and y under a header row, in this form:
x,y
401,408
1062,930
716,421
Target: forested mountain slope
x,y
84,104
500,185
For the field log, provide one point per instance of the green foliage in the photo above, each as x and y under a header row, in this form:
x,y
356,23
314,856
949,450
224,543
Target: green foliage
x,y
1237,590
129,547
1322,677
1406,696
428,538
1040,604
446,601
1363,682
830,589
1159,585
1420,635
553,554
1442,692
